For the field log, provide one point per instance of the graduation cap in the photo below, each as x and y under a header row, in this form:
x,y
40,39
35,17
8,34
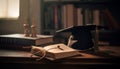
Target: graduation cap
x,y
83,36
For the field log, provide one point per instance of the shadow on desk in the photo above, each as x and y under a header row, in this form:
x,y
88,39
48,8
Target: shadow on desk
x,y
107,58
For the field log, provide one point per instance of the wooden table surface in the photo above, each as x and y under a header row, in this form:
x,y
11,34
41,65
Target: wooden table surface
x,y
108,55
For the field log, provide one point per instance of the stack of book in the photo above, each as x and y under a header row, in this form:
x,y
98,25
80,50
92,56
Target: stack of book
x,y
19,41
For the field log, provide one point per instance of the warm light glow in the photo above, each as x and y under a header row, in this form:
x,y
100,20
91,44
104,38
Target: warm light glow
x,y
3,7
9,8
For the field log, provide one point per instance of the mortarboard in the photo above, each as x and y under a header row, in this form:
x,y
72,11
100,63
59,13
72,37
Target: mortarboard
x,y
83,36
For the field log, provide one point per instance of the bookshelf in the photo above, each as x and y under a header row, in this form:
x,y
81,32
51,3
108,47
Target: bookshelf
x,y
60,14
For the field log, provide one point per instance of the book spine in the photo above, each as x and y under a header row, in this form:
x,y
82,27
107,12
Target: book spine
x,y
16,41
15,47
15,44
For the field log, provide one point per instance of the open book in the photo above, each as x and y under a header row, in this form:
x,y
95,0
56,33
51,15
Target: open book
x,y
55,51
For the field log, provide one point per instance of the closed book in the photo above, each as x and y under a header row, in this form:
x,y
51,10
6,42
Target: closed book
x,y
20,39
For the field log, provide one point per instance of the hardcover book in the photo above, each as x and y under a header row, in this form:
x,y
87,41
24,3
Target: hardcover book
x,y
20,39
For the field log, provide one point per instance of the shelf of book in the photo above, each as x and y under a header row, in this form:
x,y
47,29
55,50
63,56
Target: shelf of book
x,y
60,14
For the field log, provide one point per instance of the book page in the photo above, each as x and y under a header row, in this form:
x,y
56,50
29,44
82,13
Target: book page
x,y
55,51
57,48
58,51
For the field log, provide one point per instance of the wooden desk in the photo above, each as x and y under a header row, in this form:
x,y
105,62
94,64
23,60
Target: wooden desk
x,y
21,60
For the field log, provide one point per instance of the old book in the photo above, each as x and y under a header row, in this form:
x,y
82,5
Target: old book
x,y
79,17
70,15
55,51
20,39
